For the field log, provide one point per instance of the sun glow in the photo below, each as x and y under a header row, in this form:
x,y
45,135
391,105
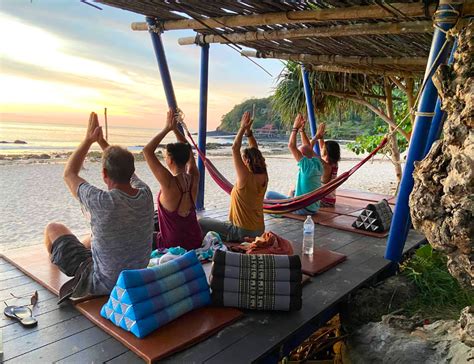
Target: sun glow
x,y
28,44
63,82
46,75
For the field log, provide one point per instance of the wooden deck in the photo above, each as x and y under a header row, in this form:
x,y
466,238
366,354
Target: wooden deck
x,y
63,335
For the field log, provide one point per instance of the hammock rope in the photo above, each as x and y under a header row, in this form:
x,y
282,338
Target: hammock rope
x,y
289,204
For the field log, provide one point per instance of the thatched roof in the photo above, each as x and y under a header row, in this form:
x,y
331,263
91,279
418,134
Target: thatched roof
x,y
371,35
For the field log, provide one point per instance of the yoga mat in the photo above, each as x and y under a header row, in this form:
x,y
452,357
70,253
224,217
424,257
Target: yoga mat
x,y
353,202
362,195
34,262
185,331
344,222
341,222
179,334
343,208
392,200
321,261
320,216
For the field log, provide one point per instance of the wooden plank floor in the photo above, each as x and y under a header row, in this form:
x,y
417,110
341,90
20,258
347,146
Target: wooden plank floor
x,y
65,336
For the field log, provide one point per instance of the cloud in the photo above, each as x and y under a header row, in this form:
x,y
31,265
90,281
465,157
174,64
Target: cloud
x,y
71,59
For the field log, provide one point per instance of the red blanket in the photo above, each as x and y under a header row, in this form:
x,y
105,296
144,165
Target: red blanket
x,y
268,243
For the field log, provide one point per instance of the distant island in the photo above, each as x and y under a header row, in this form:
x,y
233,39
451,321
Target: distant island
x,y
264,116
342,124
14,142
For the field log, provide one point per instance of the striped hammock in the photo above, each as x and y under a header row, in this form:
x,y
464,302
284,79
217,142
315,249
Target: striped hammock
x,y
289,204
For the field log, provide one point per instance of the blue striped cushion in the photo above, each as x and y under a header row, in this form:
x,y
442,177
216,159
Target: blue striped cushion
x,y
159,286
140,304
140,277
144,308
143,327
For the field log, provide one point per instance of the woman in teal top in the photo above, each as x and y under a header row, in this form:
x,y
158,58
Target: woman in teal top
x,y
310,168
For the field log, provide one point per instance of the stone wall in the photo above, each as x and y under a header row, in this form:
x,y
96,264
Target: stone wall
x,y
442,201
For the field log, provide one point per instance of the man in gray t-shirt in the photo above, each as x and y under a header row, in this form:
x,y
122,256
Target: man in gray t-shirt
x,y
121,220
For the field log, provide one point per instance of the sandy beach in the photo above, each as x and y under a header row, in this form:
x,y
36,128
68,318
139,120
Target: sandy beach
x,y
32,192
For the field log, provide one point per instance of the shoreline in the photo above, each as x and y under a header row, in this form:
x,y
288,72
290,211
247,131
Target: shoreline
x,y
269,148
34,193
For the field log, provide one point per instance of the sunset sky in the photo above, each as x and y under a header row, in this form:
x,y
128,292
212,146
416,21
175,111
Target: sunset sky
x,y
61,59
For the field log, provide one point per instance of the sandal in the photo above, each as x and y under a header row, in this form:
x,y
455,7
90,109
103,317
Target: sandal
x,y
22,314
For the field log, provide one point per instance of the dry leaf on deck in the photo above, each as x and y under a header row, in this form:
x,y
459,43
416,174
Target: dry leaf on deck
x,y
34,299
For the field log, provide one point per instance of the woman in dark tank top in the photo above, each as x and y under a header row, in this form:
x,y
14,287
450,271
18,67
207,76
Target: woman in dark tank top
x,y
179,185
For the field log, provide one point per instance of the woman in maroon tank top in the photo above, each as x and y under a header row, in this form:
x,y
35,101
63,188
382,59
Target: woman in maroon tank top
x,y
179,185
330,156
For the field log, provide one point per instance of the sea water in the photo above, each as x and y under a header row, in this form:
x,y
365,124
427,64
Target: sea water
x,y
47,138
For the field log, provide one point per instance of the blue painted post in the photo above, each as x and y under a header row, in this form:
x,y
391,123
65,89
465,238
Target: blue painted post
x,y
203,87
308,92
162,63
439,115
401,221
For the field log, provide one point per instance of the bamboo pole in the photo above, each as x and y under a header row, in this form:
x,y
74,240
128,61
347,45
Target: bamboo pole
x,y
393,138
445,20
399,84
411,98
353,94
364,12
362,70
332,31
106,125
408,90
416,62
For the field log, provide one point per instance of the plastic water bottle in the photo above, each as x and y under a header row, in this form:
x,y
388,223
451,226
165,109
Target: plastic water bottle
x,y
308,236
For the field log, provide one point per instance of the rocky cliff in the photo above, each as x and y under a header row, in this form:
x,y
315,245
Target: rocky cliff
x,y
442,201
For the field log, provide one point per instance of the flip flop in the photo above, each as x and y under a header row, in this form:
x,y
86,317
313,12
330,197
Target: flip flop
x,y
22,314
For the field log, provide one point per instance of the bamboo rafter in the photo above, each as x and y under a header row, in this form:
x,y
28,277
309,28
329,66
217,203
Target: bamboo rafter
x,y
365,28
354,94
415,62
294,17
362,70
319,32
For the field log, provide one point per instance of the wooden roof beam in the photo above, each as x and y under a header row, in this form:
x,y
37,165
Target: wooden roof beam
x,y
363,12
363,70
354,94
320,32
413,62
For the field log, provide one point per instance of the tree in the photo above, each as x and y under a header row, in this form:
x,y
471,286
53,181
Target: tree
x,y
264,114
344,92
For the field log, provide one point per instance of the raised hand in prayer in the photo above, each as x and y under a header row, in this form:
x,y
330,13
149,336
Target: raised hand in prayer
x,y
299,122
93,129
320,132
246,122
171,120
304,123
